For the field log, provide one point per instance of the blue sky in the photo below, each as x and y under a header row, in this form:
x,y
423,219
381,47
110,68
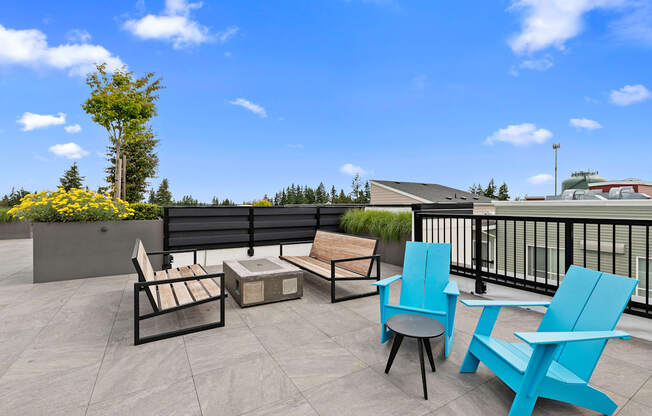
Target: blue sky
x,y
262,94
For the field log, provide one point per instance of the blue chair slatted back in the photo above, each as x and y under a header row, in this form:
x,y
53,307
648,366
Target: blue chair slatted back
x,y
601,313
569,300
437,275
414,274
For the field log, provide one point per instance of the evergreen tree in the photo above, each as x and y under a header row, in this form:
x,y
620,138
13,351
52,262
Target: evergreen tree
x,y
333,197
490,190
13,198
503,192
152,197
163,195
309,196
342,198
215,201
367,192
356,188
142,162
188,200
71,178
321,197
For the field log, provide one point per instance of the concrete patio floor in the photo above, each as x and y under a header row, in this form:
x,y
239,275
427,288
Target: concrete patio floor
x,y
67,349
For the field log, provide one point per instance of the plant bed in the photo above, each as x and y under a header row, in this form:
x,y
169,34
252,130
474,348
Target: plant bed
x,y
77,250
392,230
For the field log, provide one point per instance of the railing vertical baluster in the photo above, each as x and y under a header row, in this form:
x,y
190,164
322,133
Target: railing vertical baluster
x,y
535,255
525,259
450,237
438,240
584,245
504,250
514,271
479,284
629,249
647,269
568,245
457,241
546,257
557,253
613,249
464,252
418,227
599,247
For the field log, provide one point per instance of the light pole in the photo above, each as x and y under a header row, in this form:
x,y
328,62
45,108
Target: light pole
x,y
555,147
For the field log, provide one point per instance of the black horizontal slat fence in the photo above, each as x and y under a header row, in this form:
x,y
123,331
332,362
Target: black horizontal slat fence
x,y
229,227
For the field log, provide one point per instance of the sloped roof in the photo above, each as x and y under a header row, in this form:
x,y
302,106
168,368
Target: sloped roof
x,y
432,192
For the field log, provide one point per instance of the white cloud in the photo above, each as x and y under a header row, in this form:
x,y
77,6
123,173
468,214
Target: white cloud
x,y
78,36
630,94
175,25
519,135
351,169
540,179
74,128
31,121
547,23
540,64
30,48
636,25
585,123
254,108
69,150
223,37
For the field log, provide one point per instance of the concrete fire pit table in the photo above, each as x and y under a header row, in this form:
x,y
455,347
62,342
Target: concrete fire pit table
x,y
259,281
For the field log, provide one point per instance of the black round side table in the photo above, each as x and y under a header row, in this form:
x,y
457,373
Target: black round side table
x,y
414,326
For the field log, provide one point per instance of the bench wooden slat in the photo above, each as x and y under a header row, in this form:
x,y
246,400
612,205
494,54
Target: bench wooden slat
x,y
319,267
209,284
332,246
194,286
165,291
180,289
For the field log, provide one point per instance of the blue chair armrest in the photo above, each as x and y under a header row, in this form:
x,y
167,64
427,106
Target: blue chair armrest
x,y
534,338
479,302
451,289
387,281
416,310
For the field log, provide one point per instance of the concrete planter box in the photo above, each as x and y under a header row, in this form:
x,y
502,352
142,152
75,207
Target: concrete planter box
x,y
12,230
392,252
77,250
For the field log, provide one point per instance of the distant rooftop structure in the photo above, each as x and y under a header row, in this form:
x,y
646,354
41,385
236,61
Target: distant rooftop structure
x,y
400,192
581,179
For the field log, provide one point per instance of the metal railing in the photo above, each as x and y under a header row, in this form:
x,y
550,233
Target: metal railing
x,y
534,253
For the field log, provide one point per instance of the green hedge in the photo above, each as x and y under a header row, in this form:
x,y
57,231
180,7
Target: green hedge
x,y
388,226
145,211
4,217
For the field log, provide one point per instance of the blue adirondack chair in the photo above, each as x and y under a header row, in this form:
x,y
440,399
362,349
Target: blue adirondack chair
x,y
557,361
425,288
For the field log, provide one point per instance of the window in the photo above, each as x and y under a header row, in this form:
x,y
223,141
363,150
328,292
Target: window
x,y
641,271
540,266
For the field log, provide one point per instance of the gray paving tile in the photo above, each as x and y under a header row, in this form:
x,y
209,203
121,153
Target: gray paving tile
x,y
362,393
179,399
365,345
267,314
635,409
295,406
630,350
243,387
339,321
287,334
619,376
210,350
644,394
210,312
13,344
127,368
318,363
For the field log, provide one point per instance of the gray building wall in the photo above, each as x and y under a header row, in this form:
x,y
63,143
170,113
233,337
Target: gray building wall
x,y
381,195
507,258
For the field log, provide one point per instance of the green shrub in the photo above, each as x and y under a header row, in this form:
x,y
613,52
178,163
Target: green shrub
x,y
385,225
4,216
145,211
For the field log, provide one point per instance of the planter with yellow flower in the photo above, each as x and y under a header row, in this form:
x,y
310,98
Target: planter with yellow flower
x,y
79,234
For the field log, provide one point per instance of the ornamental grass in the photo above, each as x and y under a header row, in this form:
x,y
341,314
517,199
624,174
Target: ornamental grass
x,y
386,225
75,205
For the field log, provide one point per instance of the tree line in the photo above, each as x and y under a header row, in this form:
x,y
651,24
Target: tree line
x,y
491,191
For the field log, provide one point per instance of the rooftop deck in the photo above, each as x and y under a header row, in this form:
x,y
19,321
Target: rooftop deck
x,y
66,348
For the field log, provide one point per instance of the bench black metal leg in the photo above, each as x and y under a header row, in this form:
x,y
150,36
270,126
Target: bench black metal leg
x,y
398,338
423,368
426,344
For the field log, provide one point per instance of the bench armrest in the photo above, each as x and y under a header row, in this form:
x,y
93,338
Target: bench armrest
x,y
280,246
479,302
452,289
176,280
535,338
387,281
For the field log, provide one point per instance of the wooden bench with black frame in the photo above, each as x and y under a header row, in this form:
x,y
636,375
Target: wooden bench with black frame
x,y
339,257
172,290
